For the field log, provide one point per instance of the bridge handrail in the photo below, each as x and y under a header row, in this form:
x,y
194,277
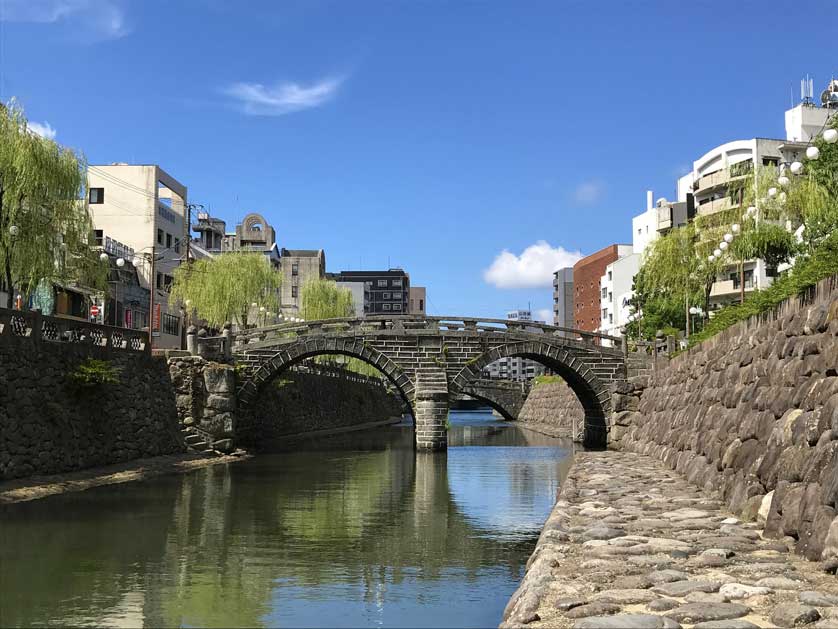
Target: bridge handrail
x,y
450,323
38,327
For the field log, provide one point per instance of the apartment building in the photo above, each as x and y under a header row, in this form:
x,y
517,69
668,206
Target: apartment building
x,y
563,297
587,295
387,292
515,367
144,209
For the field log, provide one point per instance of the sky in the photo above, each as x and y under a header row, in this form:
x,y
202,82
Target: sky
x,y
478,145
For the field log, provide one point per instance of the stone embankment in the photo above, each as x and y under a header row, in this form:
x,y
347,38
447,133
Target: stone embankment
x,y
753,412
552,408
299,402
633,544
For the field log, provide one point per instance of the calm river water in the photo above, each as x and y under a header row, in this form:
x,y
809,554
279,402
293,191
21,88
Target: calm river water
x,y
355,530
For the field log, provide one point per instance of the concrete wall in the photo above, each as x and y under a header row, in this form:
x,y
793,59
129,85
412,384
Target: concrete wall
x,y
552,408
47,426
298,402
753,413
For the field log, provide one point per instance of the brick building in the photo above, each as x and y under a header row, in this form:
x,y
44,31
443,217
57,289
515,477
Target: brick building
x,y
586,285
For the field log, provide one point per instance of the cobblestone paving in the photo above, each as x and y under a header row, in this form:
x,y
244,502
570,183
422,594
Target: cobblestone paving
x,y
631,544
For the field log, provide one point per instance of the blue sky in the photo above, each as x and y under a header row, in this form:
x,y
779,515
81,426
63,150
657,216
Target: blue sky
x,y
431,135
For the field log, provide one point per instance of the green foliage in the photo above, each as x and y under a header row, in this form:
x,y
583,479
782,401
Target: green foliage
x,y
806,273
93,373
324,299
222,289
545,379
42,193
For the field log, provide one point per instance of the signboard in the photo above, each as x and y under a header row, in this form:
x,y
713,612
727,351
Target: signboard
x,y
128,318
94,310
156,322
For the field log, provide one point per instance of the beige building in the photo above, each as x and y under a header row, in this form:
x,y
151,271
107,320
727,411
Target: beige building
x,y
417,303
145,209
298,266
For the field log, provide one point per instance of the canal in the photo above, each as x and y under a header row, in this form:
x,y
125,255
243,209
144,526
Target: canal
x,y
354,530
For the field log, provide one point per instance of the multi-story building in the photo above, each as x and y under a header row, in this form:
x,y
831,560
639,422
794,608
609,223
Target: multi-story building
x,y
515,368
563,297
658,219
418,295
616,292
360,294
298,266
387,291
144,208
587,296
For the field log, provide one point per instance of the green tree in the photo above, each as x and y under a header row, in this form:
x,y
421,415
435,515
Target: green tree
x,y
324,299
45,225
223,289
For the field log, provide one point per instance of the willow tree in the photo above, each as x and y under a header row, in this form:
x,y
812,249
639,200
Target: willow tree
x,y
672,277
323,299
45,225
224,289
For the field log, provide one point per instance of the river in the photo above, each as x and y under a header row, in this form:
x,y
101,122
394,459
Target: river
x,y
355,530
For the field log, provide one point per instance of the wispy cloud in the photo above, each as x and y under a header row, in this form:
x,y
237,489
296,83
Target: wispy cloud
x,y
283,98
532,269
105,19
44,129
589,192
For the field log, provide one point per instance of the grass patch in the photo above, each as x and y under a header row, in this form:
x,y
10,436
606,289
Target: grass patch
x,y
545,379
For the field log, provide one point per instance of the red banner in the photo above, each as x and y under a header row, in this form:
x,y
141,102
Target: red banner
x,y
156,324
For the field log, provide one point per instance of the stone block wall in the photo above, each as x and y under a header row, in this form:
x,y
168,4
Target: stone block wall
x,y
206,398
753,413
552,408
298,402
48,425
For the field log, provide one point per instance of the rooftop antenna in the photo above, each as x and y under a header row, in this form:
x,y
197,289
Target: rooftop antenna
x,y
807,91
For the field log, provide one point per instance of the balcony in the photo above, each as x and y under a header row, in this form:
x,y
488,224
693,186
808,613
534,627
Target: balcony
x,y
717,205
720,178
727,288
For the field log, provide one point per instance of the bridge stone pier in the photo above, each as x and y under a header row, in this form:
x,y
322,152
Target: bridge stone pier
x,y
430,359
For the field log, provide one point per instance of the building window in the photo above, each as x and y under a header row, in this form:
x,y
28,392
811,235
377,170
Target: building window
x,y
397,306
98,237
609,276
294,292
397,282
385,307
604,292
421,304
382,283
177,245
159,281
168,241
167,282
385,295
159,236
610,318
96,195
171,324
295,268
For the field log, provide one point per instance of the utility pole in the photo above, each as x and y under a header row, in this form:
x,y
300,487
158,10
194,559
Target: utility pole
x,y
151,286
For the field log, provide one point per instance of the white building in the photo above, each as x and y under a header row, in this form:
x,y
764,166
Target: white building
x,y
563,297
515,368
360,295
144,208
616,289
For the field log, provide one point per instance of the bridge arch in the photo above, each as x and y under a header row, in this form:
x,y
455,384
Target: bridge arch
x,y
592,393
293,354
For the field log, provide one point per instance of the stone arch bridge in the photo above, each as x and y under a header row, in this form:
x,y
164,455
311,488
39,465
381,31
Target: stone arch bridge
x,y
430,359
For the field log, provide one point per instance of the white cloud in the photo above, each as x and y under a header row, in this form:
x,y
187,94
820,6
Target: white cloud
x,y
256,99
589,192
104,18
544,314
44,129
532,269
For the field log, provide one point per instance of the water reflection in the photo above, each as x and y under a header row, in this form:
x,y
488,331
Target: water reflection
x,y
355,530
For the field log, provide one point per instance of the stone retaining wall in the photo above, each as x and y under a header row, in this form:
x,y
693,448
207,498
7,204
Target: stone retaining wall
x,y
552,408
49,425
753,412
298,402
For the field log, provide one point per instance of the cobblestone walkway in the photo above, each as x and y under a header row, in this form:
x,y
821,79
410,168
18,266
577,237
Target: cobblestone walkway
x,y
631,544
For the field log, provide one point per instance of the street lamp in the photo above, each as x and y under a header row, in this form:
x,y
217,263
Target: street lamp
x,y
103,257
830,136
813,152
120,262
14,230
783,180
796,168
735,228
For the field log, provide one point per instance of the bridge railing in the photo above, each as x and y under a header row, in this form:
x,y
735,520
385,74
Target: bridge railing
x,y
32,325
412,322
